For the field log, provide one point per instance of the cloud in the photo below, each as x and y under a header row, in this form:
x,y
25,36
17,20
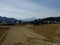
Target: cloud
x,y
21,9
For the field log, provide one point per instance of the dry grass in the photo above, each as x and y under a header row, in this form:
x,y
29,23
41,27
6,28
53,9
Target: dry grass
x,y
3,29
48,31
18,43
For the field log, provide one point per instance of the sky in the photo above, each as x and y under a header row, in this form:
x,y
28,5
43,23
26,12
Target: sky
x,y
22,9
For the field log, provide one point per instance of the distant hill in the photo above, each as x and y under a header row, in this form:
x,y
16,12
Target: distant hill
x,y
49,20
29,19
5,20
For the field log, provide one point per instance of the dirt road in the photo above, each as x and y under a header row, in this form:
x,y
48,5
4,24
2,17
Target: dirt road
x,y
23,35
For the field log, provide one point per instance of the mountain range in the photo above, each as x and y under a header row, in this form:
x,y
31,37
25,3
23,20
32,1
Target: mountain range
x,y
29,19
51,20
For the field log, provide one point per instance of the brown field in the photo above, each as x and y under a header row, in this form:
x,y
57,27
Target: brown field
x,y
51,31
3,29
31,35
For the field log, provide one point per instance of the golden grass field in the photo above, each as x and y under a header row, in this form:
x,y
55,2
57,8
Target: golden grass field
x,y
48,34
51,31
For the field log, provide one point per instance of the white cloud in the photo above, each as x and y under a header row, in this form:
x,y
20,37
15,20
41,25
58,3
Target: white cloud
x,y
23,9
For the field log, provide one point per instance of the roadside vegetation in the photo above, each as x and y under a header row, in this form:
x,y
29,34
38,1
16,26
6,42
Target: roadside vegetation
x,y
51,31
3,29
